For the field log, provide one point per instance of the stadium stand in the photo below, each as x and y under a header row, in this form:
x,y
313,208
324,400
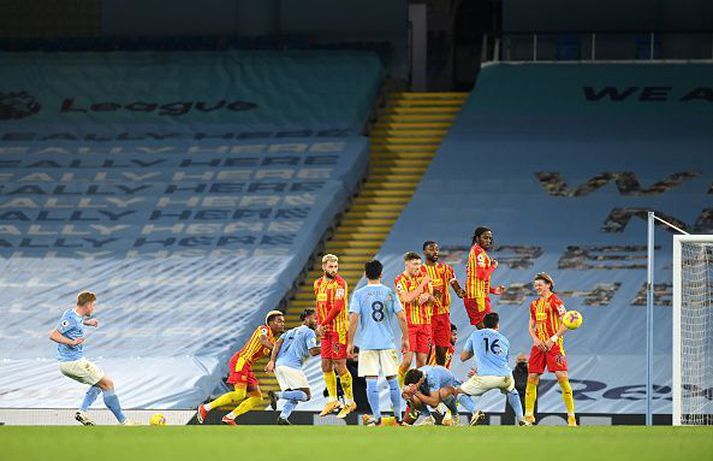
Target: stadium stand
x,y
408,130
189,190
562,161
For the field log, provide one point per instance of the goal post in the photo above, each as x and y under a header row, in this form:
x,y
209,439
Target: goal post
x,y
692,330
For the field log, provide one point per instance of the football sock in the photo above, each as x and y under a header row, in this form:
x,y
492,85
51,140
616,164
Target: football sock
x,y
112,403
530,396
346,380
395,394
297,395
450,403
514,401
227,399
372,395
288,408
567,395
402,376
89,398
467,402
330,380
254,399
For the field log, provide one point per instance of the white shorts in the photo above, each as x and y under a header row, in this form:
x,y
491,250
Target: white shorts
x,y
384,360
82,370
479,385
291,378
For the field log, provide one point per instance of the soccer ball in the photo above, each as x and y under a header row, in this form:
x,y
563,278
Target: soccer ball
x,y
572,320
157,420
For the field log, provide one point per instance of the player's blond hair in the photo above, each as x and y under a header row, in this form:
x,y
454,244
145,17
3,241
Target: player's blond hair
x,y
330,258
85,297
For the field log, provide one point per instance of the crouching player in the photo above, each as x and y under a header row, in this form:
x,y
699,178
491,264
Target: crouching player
x,y
492,352
247,393
430,386
286,362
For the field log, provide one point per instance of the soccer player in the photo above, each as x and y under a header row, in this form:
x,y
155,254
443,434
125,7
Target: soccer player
x,y
371,312
547,332
69,336
442,279
478,272
449,352
415,292
433,385
492,352
286,362
331,292
246,391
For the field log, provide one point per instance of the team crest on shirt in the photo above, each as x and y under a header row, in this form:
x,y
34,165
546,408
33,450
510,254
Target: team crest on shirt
x,y
339,293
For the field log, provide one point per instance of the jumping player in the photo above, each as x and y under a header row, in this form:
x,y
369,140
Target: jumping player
x,y
478,272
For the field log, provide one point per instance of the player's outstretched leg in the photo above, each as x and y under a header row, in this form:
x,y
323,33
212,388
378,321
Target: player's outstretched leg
x,y
476,416
253,400
229,398
89,398
111,400
514,401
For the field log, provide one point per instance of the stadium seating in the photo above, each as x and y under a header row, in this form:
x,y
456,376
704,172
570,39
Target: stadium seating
x,y
187,190
563,174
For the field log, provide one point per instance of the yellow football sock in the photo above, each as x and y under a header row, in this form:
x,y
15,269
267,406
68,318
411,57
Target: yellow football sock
x,y
248,404
229,398
530,396
346,380
567,395
330,380
402,377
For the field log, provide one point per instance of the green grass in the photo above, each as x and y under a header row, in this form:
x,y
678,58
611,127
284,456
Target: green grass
x,y
271,443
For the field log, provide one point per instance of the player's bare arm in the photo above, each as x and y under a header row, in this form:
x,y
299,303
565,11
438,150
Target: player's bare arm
x,y
407,297
270,367
460,292
403,324
91,323
353,322
465,356
57,337
560,333
266,342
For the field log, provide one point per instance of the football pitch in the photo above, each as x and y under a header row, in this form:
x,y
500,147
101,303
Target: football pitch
x,y
258,443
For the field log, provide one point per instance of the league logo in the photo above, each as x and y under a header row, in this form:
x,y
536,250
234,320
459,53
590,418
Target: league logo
x,y
17,105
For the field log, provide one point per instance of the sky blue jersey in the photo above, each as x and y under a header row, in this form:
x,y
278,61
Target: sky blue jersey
x,y
71,326
296,344
491,350
377,306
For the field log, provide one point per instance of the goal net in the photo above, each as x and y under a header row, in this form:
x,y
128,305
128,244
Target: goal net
x,y
693,330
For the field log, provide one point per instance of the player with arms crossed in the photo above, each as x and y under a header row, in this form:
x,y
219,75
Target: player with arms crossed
x,y
331,292
286,362
372,309
241,375
491,351
547,332
415,292
479,269
69,336
442,279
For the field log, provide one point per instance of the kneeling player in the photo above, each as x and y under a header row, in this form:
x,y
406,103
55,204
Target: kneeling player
x,y
547,331
286,361
492,351
430,386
